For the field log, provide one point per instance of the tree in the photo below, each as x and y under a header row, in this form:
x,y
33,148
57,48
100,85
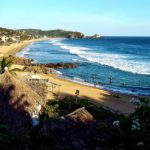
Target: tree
x,y
4,65
77,94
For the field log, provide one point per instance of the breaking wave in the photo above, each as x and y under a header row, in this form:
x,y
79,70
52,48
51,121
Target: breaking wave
x,y
118,61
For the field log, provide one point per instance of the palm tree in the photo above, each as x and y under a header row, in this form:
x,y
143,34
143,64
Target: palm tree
x,y
77,94
4,63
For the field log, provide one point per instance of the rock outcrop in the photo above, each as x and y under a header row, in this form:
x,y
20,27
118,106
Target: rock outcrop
x,y
61,65
19,60
75,35
95,36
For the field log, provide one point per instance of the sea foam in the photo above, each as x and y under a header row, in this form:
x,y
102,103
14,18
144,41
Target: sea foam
x,y
117,61
25,51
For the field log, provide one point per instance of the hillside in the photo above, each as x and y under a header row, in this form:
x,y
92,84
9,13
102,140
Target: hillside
x,y
8,36
53,33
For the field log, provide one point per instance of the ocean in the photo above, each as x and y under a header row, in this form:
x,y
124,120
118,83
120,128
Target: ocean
x,y
119,64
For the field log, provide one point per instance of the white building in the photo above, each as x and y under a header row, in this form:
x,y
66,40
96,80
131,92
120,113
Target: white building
x,y
45,36
4,38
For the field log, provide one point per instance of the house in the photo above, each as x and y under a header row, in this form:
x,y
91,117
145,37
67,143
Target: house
x,y
45,36
4,39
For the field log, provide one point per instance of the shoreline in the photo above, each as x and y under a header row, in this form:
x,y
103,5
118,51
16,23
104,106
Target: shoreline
x,y
102,97
128,90
97,95
12,49
109,89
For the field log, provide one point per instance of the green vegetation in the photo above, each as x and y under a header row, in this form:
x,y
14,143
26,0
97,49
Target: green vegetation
x,y
8,32
4,64
53,33
8,36
24,142
116,131
124,132
51,110
98,112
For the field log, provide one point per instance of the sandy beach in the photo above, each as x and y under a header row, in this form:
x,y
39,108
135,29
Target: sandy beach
x,y
68,88
101,97
15,47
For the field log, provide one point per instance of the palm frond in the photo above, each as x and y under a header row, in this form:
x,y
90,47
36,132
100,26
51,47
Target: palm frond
x,y
4,63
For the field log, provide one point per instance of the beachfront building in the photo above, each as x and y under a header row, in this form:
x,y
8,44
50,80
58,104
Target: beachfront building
x,y
45,36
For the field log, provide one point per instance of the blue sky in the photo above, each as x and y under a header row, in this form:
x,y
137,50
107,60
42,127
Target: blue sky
x,y
106,17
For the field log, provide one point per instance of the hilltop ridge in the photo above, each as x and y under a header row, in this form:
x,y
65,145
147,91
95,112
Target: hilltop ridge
x,y
9,36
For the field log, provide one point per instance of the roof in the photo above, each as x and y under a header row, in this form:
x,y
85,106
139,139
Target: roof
x,y
80,114
17,102
75,131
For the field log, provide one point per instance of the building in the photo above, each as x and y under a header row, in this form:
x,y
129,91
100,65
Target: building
x,y
4,39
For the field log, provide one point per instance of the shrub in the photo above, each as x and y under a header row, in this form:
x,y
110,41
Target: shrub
x,y
3,64
51,109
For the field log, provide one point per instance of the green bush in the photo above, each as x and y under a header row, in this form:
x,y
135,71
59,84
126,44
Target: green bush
x,y
121,136
51,109
3,64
